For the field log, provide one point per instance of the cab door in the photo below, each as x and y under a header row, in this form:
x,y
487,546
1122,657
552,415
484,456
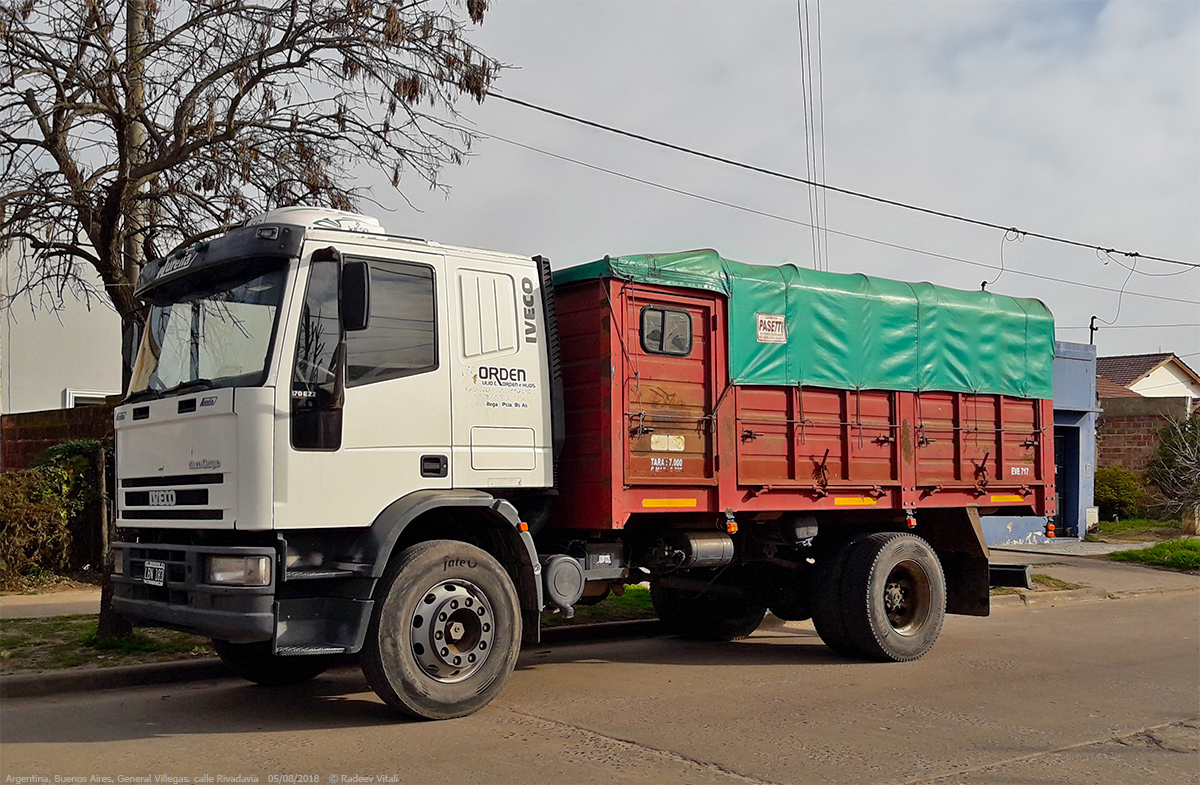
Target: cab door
x,y
359,432
668,389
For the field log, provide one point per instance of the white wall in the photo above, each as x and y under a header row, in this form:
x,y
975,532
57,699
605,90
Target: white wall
x,y
48,345
1167,381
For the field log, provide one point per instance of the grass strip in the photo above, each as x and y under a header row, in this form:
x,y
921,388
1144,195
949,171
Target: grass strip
x,y
1174,555
1138,529
1041,582
57,642
1045,582
634,604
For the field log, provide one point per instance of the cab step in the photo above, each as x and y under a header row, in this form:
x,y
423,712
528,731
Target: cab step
x,y
318,573
301,651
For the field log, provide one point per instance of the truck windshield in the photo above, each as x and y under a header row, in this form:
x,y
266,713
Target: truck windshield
x,y
219,336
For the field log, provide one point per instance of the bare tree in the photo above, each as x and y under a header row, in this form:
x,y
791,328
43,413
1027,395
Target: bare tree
x,y
131,127
1175,469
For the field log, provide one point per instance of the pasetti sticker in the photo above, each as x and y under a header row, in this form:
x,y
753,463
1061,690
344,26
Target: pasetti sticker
x,y
771,328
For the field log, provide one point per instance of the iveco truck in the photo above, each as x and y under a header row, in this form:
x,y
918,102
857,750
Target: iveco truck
x,y
337,441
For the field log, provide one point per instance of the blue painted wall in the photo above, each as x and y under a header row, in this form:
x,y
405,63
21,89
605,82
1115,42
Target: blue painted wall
x,y
1075,415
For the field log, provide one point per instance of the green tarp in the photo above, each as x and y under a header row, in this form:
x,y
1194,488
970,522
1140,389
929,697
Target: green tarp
x,y
788,326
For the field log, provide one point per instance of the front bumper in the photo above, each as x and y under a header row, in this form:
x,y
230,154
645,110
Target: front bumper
x,y
240,614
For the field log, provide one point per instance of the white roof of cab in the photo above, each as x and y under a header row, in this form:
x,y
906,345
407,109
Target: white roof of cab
x,y
320,218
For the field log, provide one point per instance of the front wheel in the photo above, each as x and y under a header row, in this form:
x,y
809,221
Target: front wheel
x,y
445,632
893,596
710,617
255,662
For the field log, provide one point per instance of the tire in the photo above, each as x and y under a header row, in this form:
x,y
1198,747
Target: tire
x,y
431,594
707,617
255,662
827,606
793,603
894,596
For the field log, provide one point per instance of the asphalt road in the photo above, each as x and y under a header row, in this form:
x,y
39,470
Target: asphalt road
x,y
1105,691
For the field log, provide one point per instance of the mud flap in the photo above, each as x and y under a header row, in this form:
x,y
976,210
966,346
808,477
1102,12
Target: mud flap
x,y
956,534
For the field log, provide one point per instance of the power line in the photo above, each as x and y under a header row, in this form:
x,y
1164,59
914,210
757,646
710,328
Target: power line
x,y
798,222
834,188
1127,326
821,103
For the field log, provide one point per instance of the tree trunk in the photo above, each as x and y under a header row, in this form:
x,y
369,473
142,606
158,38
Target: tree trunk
x,y
111,624
1191,519
136,214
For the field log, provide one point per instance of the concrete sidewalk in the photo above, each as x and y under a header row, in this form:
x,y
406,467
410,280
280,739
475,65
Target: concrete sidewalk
x,y
59,603
1083,563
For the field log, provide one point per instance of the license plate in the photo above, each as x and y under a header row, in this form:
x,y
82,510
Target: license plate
x,y
154,573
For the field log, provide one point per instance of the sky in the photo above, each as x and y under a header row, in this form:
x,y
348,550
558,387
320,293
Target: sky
x,y
1075,119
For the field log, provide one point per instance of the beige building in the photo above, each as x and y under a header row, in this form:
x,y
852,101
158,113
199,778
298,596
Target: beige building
x,y
55,353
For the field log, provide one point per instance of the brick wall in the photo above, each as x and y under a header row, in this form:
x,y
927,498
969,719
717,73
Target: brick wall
x,y
1127,432
23,437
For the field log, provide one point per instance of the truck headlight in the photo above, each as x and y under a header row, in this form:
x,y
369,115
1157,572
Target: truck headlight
x,y
240,570
118,555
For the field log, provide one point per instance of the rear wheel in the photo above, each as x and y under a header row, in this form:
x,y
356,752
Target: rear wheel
x,y
894,596
255,662
827,606
705,616
445,632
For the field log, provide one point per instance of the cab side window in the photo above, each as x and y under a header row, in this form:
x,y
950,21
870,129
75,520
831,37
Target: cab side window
x,y
316,410
666,331
401,339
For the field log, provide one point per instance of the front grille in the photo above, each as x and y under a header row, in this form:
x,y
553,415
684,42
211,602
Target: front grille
x,y
173,479
168,514
165,500
190,497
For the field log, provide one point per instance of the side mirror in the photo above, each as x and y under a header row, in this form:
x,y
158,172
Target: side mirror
x,y
356,296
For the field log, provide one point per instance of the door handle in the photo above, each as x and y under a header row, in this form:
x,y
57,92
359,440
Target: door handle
x,y
434,466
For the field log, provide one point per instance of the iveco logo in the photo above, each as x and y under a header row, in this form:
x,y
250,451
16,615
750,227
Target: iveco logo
x,y
162,498
528,300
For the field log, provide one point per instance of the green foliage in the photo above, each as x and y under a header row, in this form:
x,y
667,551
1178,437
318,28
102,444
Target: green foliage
x,y
36,507
1174,554
1140,529
634,604
41,511
1175,469
56,642
1118,493
77,448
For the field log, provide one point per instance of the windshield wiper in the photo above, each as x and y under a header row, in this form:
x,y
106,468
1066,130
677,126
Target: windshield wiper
x,y
143,394
189,386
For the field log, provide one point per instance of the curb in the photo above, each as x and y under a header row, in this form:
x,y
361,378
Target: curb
x,y
36,685
47,683
1051,598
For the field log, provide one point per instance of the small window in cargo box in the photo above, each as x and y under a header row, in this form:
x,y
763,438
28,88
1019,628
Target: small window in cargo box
x,y
666,331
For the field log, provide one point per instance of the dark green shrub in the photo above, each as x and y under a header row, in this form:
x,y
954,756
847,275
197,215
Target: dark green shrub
x,y
1118,493
36,510
42,512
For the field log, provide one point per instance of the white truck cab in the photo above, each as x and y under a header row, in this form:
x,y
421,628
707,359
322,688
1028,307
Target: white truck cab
x,y
307,387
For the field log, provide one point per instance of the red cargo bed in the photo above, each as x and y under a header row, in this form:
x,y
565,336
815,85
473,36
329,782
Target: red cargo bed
x,y
653,429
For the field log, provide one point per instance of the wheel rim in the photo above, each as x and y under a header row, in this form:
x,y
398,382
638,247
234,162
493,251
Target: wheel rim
x,y
906,597
452,630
